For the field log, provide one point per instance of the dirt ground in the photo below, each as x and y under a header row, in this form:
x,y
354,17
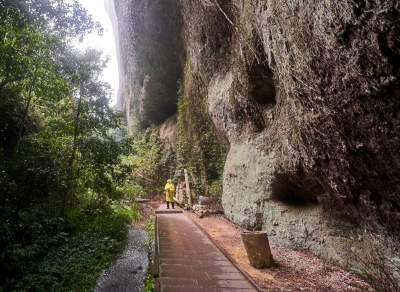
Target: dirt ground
x,y
294,270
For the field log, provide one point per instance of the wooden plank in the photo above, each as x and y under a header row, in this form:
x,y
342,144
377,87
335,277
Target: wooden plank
x,y
141,200
169,211
156,261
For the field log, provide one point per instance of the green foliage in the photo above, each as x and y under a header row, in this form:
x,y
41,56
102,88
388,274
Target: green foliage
x,y
147,164
130,213
150,229
60,221
215,188
77,260
61,18
198,147
149,285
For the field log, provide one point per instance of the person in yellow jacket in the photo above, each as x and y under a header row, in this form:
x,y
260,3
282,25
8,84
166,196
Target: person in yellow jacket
x,y
169,193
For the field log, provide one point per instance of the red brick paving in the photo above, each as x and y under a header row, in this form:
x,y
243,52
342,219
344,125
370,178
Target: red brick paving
x,y
189,261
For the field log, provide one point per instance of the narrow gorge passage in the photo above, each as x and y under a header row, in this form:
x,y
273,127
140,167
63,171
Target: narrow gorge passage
x,y
272,120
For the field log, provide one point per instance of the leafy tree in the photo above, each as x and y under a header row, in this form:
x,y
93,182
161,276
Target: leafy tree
x,y
92,142
144,163
62,18
58,151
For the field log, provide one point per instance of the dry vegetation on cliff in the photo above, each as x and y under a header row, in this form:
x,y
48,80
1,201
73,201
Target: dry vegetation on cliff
x,y
338,103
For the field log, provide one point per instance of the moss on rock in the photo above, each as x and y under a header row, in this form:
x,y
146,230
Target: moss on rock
x,y
198,147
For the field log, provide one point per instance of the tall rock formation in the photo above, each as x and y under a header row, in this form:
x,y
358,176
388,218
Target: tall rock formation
x,y
306,93
150,56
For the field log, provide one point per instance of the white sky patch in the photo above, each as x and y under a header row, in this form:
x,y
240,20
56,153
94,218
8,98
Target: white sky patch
x,y
104,42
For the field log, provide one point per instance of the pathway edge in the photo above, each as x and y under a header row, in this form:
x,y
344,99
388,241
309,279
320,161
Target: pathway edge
x,y
223,251
156,264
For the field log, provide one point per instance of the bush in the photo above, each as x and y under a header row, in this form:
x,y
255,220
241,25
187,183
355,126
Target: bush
x,y
146,165
215,189
58,225
149,284
76,262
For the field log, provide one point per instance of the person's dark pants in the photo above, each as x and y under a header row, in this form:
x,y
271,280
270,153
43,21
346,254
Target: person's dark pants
x,y
173,205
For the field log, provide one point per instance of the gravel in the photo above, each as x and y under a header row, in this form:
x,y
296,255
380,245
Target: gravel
x,y
129,270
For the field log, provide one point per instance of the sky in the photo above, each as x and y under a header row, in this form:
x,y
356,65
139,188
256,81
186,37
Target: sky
x,y
105,43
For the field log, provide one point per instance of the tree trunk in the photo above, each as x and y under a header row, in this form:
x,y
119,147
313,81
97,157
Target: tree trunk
x,y
257,248
188,188
25,115
70,167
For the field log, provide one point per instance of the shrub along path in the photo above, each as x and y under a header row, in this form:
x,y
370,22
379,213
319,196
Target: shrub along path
x,y
189,261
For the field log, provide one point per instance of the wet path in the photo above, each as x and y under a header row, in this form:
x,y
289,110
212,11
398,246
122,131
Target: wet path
x,y
129,271
189,261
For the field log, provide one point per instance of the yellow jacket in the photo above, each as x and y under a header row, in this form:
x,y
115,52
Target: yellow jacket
x,y
169,191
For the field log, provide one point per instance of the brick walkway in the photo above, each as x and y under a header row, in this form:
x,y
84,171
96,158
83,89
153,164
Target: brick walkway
x,y
189,261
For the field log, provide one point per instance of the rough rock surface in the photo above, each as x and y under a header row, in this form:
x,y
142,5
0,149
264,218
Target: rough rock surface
x,y
167,132
294,270
150,55
307,94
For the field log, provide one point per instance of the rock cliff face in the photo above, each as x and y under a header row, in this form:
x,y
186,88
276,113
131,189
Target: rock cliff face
x,y
306,93
150,57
